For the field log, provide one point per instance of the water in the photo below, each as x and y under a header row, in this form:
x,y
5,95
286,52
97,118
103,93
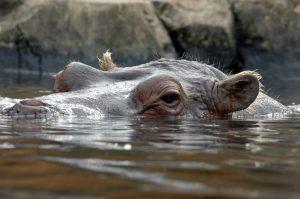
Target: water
x,y
139,158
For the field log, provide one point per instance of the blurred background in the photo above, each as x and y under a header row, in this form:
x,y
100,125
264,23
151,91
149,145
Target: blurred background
x,y
39,37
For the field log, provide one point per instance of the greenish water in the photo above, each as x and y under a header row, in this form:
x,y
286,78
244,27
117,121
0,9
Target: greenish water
x,y
134,158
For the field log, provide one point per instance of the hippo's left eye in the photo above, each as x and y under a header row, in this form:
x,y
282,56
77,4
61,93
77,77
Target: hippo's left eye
x,y
160,95
170,98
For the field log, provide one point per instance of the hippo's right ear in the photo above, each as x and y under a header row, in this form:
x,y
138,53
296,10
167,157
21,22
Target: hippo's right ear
x,y
236,92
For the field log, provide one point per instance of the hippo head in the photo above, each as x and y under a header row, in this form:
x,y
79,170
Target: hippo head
x,y
162,87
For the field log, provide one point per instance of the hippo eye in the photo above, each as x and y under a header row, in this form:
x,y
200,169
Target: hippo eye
x,y
160,95
170,98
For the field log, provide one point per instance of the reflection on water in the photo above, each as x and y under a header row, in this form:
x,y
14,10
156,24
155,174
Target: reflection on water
x,y
132,158
138,158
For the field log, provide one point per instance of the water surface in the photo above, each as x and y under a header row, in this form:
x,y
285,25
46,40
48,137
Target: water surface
x,y
121,157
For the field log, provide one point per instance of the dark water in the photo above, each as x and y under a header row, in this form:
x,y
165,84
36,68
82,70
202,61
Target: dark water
x,y
135,158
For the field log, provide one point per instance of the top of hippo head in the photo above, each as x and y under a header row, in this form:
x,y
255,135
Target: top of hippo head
x,y
162,87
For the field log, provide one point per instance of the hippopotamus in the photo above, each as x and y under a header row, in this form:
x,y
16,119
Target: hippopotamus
x,y
164,87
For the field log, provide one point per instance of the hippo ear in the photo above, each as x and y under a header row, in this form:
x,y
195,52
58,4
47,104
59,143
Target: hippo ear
x,y
236,92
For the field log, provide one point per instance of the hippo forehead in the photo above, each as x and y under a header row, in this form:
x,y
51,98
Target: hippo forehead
x,y
182,69
188,73
193,76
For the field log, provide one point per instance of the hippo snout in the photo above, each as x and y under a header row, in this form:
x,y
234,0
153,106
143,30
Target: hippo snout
x,y
29,108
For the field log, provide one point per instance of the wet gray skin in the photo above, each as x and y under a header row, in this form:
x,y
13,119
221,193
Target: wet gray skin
x,y
164,87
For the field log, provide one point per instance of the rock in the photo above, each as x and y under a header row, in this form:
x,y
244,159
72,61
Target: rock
x,y
52,32
268,36
201,29
238,34
8,5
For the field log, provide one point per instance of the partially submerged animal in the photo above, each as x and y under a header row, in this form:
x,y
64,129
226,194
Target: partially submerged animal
x,y
165,87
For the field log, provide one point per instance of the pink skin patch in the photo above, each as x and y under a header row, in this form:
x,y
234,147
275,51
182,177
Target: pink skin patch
x,y
33,103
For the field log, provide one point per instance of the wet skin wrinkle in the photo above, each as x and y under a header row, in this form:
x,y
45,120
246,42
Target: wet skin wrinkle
x,y
168,87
